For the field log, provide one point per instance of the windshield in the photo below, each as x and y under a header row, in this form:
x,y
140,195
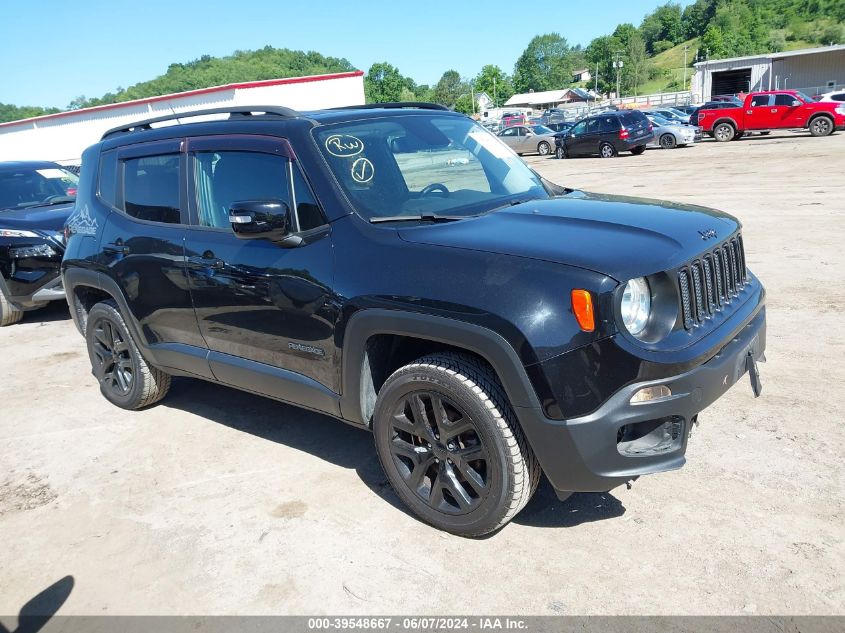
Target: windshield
x,y
30,187
541,129
418,164
804,97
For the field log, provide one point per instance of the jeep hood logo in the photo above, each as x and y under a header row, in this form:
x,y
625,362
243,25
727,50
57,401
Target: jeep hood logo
x,y
708,234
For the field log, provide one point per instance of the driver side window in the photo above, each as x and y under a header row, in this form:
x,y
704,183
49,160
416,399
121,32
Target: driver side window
x,y
580,128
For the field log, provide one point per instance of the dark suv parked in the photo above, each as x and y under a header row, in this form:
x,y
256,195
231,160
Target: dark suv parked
x,y
606,135
36,198
401,269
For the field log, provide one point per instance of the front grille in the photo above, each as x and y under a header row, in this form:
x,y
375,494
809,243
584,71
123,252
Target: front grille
x,y
711,281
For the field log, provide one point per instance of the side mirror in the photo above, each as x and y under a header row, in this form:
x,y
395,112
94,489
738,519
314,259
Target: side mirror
x,y
263,220
796,103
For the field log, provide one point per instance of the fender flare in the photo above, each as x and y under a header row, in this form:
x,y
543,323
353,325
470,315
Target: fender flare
x,y
75,277
474,338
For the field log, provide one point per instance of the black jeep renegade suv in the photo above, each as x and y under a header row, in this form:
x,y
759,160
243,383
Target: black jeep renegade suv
x,y
399,268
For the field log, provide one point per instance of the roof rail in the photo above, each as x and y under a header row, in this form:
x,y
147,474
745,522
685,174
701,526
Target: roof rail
x,y
232,111
397,105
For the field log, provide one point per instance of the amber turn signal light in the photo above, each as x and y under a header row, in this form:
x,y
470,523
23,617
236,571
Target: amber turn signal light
x,y
582,306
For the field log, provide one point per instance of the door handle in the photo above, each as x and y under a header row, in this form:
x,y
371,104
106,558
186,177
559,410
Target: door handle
x,y
116,248
775,110
207,261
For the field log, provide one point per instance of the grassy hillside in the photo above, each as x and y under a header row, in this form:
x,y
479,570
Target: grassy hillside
x,y
668,68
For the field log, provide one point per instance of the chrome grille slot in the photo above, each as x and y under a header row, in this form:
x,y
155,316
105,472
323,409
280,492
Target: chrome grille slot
x,y
709,289
697,293
708,283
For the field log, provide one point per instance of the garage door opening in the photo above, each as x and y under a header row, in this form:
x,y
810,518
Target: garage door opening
x,y
731,82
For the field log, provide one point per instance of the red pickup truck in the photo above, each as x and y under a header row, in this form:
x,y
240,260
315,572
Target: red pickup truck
x,y
771,110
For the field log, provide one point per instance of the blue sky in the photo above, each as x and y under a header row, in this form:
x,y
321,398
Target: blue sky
x,y
53,51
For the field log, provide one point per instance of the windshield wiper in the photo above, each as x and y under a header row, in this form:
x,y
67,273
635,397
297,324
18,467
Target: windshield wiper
x,y
62,200
429,217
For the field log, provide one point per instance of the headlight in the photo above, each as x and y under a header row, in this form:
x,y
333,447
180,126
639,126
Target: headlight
x,y
636,305
17,233
41,250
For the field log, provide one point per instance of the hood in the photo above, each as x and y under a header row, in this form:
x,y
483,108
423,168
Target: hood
x,y
618,236
37,218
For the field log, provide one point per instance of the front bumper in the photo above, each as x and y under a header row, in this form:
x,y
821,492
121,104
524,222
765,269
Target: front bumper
x,y
621,441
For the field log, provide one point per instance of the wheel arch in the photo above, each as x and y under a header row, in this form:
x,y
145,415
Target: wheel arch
x,y
725,119
816,115
86,288
378,341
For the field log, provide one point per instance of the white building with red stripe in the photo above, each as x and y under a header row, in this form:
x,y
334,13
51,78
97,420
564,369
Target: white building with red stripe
x,y
62,137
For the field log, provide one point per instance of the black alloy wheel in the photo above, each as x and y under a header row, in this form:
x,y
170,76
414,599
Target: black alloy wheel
x,y
113,365
439,453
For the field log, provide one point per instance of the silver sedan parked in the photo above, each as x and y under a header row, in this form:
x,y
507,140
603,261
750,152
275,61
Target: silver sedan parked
x,y
670,134
528,139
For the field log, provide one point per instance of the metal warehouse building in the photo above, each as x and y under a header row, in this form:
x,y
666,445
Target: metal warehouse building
x,y
811,70
62,137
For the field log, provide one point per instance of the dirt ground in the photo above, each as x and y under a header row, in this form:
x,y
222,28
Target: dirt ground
x,y
218,502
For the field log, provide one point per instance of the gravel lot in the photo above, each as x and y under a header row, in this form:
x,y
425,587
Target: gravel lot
x,y
221,502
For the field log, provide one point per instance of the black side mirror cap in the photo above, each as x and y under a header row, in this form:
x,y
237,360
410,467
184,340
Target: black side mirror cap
x,y
264,220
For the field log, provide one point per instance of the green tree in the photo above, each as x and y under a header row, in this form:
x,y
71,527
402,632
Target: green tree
x,y
697,17
663,24
637,62
9,112
384,84
448,90
546,64
495,82
600,54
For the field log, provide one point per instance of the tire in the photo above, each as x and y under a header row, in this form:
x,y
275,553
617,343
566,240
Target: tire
x,y
639,149
560,152
131,382
724,132
765,132
9,314
606,150
820,126
668,141
543,148
436,478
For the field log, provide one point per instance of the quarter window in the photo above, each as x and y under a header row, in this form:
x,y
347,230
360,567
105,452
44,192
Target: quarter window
x,y
107,179
151,188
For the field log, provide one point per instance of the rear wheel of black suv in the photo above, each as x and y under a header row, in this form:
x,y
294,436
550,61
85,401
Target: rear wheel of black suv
x,y
9,314
125,378
639,149
451,447
606,150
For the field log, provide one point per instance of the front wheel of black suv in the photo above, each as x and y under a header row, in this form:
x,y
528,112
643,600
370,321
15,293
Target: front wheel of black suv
x,y
451,447
560,152
125,378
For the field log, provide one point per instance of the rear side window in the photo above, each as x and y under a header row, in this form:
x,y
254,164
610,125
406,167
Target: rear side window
x,y
107,179
758,101
632,119
151,188
839,97
608,124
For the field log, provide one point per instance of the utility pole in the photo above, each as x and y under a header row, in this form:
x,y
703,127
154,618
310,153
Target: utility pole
x,y
597,89
495,99
686,46
618,64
